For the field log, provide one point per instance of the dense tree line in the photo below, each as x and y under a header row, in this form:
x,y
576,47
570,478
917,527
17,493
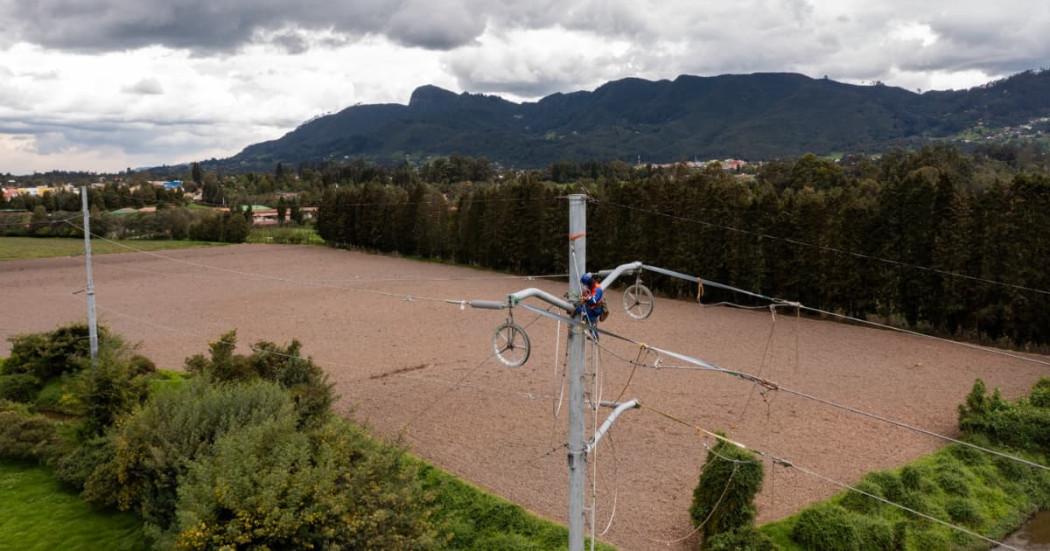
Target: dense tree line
x,y
808,229
165,223
111,197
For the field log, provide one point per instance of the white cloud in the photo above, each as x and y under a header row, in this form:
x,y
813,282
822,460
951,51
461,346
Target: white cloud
x,y
207,106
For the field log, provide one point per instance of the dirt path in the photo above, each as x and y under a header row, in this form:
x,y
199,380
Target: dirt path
x,y
394,362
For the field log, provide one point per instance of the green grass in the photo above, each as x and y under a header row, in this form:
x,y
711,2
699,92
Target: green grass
x,y
164,380
988,495
36,512
195,206
57,396
480,521
285,235
19,248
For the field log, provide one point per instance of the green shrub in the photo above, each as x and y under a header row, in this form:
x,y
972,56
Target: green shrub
x,y
48,355
110,389
874,533
889,483
745,538
1022,424
21,387
272,486
1010,469
77,465
920,502
953,482
962,510
826,527
1040,395
968,455
911,478
286,366
930,540
860,503
155,445
141,365
24,436
228,227
724,498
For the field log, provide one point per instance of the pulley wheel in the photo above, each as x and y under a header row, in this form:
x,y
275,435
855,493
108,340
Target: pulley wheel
x,y
511,344
638,301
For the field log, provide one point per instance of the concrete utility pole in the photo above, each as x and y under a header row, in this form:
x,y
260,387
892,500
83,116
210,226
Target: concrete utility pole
x,y
577,340
510,338
92,322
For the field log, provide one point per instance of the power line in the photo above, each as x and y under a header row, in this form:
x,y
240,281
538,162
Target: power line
x,y
413,203
362,280
323,282
532,396
926,335
835,250
783,303
773,386
791,464
403,296
40,223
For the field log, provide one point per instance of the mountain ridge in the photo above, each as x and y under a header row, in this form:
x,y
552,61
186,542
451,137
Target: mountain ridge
x,y
752,116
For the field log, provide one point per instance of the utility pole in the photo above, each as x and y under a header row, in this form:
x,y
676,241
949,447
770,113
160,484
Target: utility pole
x,y
92,322
577,340
510,339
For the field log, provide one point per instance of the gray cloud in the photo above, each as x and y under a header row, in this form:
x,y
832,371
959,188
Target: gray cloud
x,y
737,36
206,26
293,43
145,87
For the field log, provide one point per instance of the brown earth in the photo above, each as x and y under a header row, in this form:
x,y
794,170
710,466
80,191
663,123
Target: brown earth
x,y
395,363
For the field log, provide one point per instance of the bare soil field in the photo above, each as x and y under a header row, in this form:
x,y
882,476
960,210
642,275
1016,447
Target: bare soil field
x,y
396,363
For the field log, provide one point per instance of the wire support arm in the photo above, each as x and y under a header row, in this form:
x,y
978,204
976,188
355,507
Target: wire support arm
x,y
514,299
618,410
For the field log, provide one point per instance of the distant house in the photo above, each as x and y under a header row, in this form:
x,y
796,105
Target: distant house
x,y
262,215
733,164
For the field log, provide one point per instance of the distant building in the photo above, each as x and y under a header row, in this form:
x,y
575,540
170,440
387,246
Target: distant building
x,y
733,164
166,184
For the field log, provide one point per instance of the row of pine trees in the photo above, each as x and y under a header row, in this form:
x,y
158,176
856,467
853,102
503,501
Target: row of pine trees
x,y
909,238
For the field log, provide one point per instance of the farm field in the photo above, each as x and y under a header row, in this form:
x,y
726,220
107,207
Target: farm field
x,y
14,248
396,363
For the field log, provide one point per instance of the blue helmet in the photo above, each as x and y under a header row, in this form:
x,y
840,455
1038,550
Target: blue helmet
x,y
587,279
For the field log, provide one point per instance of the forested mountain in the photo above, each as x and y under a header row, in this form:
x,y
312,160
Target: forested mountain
x,y
757,116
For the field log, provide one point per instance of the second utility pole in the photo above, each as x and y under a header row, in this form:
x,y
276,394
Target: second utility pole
x,y
577,340
92,322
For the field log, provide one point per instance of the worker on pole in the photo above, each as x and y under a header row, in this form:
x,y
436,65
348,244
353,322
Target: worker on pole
x,y
592,302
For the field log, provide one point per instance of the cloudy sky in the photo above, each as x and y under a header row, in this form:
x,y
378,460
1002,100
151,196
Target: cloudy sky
x,y
108,84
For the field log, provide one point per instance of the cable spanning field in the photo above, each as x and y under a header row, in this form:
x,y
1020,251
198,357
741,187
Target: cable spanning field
x,y
423,369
